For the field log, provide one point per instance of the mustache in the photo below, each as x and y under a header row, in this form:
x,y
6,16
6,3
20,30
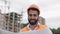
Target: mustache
x,y
32,19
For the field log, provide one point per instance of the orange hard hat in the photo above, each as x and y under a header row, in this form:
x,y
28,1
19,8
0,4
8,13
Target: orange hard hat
x,y
34,6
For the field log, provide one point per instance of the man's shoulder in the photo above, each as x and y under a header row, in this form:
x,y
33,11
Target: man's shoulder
x,y
41,26
24,29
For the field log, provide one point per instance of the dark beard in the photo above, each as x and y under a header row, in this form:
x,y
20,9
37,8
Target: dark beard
x,y
33,23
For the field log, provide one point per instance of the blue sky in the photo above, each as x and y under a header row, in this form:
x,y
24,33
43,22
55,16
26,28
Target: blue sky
x,y
50,10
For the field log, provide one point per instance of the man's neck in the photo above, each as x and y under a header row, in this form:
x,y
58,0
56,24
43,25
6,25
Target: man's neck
x,y
32,27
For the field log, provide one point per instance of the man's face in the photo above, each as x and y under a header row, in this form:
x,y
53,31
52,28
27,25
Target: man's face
x,y
33,17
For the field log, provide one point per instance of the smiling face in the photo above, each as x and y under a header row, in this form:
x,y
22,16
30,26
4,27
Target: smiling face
x,y
33,17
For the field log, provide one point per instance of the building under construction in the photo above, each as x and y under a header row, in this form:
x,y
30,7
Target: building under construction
x,y
12,22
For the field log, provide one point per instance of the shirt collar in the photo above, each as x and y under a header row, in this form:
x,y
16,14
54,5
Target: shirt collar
x,y
30,28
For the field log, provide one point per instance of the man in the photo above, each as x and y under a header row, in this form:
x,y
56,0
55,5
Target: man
x,y
33,17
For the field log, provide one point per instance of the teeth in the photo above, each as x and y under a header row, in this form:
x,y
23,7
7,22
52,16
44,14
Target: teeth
x,y
32,20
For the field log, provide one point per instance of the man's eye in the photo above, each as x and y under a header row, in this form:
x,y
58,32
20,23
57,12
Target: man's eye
x,y
35,15
30,14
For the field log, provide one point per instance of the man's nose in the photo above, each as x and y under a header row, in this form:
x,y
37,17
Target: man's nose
x,y
32,17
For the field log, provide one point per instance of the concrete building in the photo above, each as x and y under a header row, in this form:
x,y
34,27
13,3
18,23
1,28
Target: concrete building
x,y
41,20
12,22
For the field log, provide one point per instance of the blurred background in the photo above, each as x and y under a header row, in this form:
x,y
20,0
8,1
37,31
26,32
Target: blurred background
x,y
13,14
